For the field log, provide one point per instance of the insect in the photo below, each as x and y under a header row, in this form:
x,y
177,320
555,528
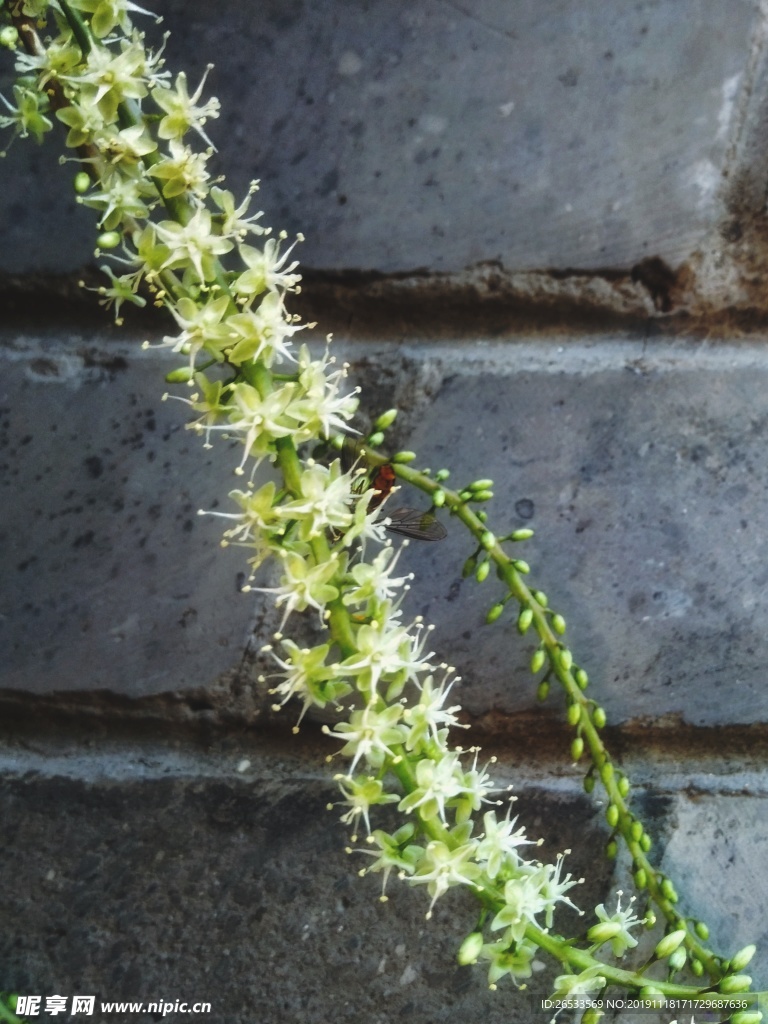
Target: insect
x,y
409,522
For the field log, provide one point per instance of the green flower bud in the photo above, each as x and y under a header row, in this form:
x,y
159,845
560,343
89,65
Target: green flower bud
x,y
482,515
735,983
677,959
385,420
524,534
577,748
488,540
179,376
740,960
438,498
494,613
482,571
697,968
442,474
403,457
606,773
480,485
669,943
558,624
650,919
521,566
641,878
589,783
702,931
611,849
668,891
469,566
636,830
81,182
574,714
465,495
645,842
537,660
470,948
524,620
653,995
541,598
746,1017
375,440
482,495
542,690
565,658
612,815
108,239
622,784
598,717
582,679
9,37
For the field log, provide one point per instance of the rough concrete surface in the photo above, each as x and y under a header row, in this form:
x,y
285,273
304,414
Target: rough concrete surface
x,y
440,134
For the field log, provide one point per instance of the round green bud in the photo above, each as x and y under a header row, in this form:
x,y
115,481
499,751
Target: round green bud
x,y
470,948
606,773
611,849
488,540
702,931
108,239
482,515
541,598
522,535
735,983
180,376
375,440
521,566
565,658
677,959
438,498
9,37
636,830
653,995
740,960
482,495
697,968
494,613
469,567
582,679
598,717
669,943
622,784
574,714
482,571
641,878
645,842
442,474
746,1017
589,783
577,748
480,485
524,620
404,457
537,660
465,495
385,420
542,690
558,624
668,891
612,815
81,182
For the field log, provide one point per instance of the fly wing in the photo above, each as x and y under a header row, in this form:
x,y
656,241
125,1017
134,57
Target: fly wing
x,y
410,522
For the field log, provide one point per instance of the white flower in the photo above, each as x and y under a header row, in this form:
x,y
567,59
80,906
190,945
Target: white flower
x,y
500,843
324,503
266,268
303,585
370,735
263,333
437,783
443,867
182,111
193,244
382,652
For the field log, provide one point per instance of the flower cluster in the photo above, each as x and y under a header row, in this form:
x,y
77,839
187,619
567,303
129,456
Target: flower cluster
x,y
177,235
